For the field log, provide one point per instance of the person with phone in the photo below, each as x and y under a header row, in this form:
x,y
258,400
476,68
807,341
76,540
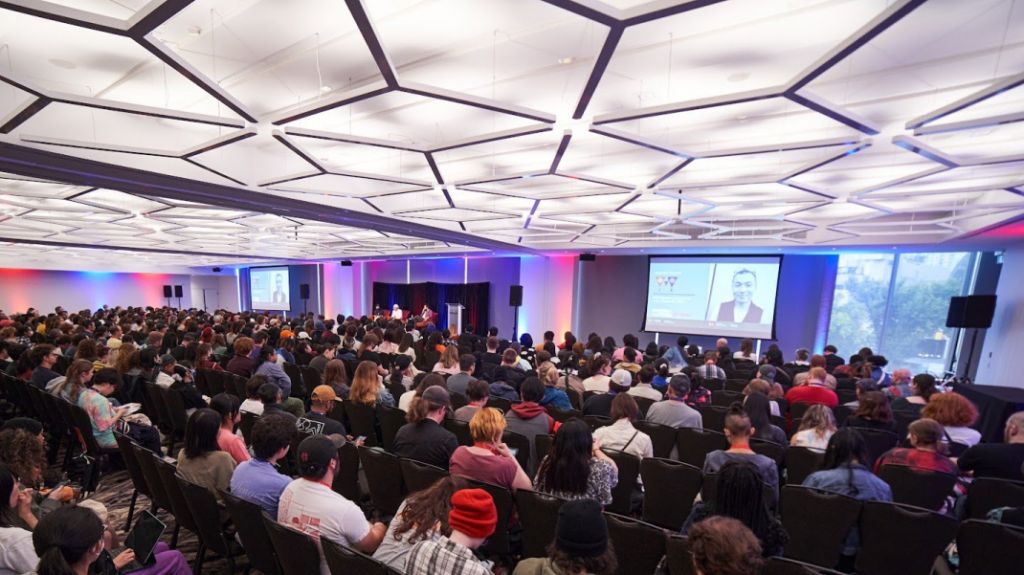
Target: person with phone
x,y
489,459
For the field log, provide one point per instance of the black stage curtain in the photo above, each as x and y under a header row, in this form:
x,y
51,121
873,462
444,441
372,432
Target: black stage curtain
x,y
476,297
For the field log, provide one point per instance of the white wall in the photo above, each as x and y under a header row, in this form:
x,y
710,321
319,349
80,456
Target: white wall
x,y
1004,342
44,290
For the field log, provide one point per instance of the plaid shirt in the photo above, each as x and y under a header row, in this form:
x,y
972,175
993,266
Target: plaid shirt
x,y
442,556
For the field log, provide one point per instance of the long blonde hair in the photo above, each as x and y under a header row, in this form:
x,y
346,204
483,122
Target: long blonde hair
x,y
365,385
548,373
450,357
820,419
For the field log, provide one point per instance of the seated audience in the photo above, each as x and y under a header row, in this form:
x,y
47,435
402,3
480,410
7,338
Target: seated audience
x,y
68,541
75,387
816,428
758,408
509,370
336,377
763,387
16,552
253,404
316,420
528,418
873,412
272,370
241,364
710,369
422,382
367,388
901,384
629,361
308,504
449,363
201,461
423,515
472,519
738,430
746,351
477,392
645,388
553,395
927,451
740,494
816,361
601,404
576,468
1000,460
581,544
164,561
423,438
600,369
700,395
922,388
270,395
43,357
226,405
258,480
813,390
862,386
458,382
673,411
621,435
489,459
724,546
956,414
662,375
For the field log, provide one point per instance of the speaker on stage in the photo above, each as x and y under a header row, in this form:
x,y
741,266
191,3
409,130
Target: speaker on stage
x,y
588,257
304,291
515,295
974,311
178,292
168,292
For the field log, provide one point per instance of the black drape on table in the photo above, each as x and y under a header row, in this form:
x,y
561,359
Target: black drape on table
x,y
476,297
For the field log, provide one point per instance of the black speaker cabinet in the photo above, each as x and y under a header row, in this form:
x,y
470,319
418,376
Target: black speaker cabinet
x,y
515,295
974,311
178,292
304,291
168,291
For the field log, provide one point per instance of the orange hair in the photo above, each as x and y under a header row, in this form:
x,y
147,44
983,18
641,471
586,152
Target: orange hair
x,y
950,409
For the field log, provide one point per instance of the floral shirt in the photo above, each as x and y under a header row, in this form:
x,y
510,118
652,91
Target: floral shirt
x,y
603,477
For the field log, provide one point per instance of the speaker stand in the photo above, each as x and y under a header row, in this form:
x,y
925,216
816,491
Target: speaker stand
x,y
515,324
970,355
168,302
305,301
179,303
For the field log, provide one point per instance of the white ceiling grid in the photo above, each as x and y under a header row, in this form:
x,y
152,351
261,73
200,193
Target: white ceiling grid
x,y
548,124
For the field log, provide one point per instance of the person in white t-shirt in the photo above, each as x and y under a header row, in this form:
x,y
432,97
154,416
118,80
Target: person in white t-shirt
x,y
600,369
309,504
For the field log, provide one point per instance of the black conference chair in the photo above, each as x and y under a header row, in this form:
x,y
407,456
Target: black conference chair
x,y
499,403
693,445
644,403
663,437
596,421
523,450
178,504
928,489
781,566
391,420
139,485
818,523
801,462
158,495
303,557
882,523
622,493
878,440
669,490
639,546
346,480
498,543
538,515
987,493
678,559
987,547
713,417
418,476
206,513
384,473
362,421
341,559
725,398
460,429
248,520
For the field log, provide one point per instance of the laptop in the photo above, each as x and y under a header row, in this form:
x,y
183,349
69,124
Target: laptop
x,y
143,539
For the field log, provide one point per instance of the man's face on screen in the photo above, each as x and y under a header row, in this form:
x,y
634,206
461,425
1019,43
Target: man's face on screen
x,y
279,281
743,286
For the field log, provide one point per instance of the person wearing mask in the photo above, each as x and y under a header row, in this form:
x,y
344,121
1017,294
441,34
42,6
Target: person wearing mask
x,y
956,414
816,428
489,459
258,480
1000,460
600,370
673,411
316,421
601,404
740,495
922,388
738,431
201,461
576,468
724,546
226,405
472,519
423,438
581,544
477,392
553,395
309,504
423,515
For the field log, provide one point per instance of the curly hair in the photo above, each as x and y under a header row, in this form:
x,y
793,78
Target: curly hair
x,y
603,564
24,454
724,546
950,409
426,509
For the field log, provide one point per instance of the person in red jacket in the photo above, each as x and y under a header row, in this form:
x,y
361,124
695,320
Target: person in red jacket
x,y
813,390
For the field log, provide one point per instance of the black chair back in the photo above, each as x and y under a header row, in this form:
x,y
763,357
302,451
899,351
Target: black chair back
x,y
498,543
460,429
124,445
175,407
524,450
629,470
248,520
542,446
295,375
882,523
147,465
500,403
310,380
770,449
458,400
713,417
391,420
639,546
669,489
644,403
418,476
801,462
383,472
341,559
735,384
678,559
596,421
362,421
663,437
987,493
987,547
693,445
781,566
879,441
725,398
179,504
538,515
574,398
303,557
919,488
346,480
206,513
818,523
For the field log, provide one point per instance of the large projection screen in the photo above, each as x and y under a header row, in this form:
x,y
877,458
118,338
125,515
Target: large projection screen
x,y
268,288
712,295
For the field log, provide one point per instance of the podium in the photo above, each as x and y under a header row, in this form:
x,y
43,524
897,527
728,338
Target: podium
x,y
455,318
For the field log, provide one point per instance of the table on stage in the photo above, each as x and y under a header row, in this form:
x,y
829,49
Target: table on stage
x,y
995,404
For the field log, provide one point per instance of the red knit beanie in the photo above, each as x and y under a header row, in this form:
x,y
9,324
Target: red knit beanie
x,y
473,513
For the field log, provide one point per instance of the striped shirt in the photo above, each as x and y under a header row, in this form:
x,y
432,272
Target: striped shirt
x,y
442,556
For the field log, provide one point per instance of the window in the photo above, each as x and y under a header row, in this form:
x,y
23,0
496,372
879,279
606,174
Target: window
x,y
896,304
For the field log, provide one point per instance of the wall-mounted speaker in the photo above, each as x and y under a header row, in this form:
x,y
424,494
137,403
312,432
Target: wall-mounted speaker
x,y
346,263
178,292
168,291
587,257
216,270
974,311
304,291
515,295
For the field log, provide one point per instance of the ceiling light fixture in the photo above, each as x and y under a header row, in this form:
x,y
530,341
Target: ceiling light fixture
x,y
325,89
194,31
567,60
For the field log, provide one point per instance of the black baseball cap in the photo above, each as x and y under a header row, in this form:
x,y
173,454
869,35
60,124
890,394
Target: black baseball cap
x,y
316,453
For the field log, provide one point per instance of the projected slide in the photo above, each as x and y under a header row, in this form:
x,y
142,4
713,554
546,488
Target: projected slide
x,y
268,289
726,296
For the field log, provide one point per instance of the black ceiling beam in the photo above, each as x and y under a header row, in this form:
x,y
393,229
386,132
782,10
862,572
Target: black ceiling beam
x,y
25,113
44,164
362,20
600,65
157,16
668,11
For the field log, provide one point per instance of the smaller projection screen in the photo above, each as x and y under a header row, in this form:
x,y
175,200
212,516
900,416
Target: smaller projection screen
x,y
713,295
269,289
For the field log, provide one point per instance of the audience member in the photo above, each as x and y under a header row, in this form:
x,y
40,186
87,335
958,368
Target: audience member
x,y
676,355
201,461
956,414
873,412
423,438
673,411
258,480
832,358
813,390
645,388
44,357
601,404
621,435
472,519
528,418
336,377
862,386
724,546
816,428
367,388
253,404
576,468
922,388
710,369
68,541
553,396
316,420
423,515
509,370
477,392
581,544
1000,460
226,405
450,363
600,369
459,382
738,431
816,361
927,451
272,370
758,408
308,504
16,552
241,364
489,459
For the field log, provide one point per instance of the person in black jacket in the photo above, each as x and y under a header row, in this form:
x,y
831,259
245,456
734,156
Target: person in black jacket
x,y
509,370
